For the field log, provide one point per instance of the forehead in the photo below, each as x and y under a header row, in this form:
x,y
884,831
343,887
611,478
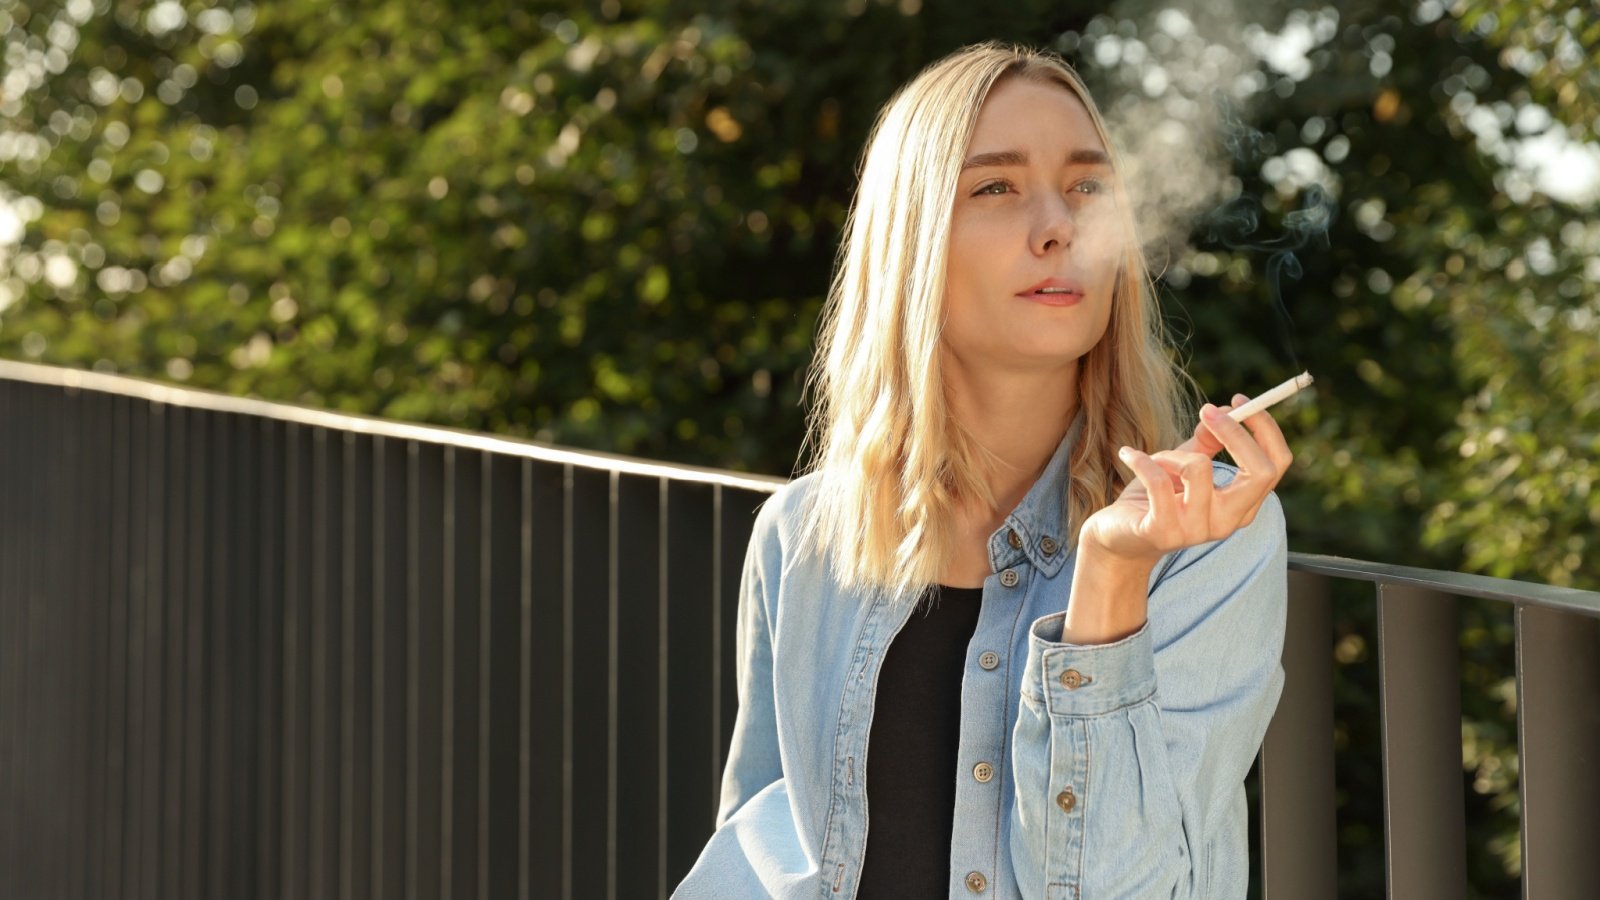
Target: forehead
x,y
1020,113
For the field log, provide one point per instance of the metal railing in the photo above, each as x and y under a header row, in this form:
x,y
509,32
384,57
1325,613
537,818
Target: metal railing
x,y
255,650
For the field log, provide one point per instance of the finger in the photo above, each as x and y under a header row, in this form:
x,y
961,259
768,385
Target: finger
x,y
1194,471
1249,454
1268,435
1203,441
1157,484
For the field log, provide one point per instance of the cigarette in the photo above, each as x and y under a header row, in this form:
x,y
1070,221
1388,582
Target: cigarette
x,y
1282,392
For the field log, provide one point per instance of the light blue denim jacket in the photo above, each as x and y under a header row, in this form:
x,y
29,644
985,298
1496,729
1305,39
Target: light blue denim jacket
x,y
1085,772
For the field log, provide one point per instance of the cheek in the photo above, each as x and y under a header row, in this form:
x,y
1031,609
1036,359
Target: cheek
x,y
964,264
970,237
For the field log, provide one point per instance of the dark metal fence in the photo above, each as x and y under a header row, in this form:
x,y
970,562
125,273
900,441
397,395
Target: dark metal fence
x,y
253,650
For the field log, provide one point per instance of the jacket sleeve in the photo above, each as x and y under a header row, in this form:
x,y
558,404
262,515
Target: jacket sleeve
x,y
755,849
1129,757
752,761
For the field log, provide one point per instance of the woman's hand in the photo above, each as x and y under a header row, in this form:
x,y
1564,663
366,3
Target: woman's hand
x,y
1173,504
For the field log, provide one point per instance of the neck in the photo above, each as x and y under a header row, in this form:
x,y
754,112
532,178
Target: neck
x,y
1018,415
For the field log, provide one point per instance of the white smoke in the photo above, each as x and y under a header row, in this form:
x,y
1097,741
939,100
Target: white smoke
x,y
1177,83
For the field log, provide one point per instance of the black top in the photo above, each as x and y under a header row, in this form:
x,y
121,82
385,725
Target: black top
x,y
911,756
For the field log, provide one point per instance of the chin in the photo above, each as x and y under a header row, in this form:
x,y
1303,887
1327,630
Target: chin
x,y
1048,354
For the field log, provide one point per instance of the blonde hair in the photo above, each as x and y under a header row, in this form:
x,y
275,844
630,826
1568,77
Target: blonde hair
x,y
892,467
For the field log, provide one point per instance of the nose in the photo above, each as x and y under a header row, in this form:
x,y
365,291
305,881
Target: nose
x,y
1054,223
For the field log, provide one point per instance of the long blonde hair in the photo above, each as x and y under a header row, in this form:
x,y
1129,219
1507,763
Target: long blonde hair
x,y
892,467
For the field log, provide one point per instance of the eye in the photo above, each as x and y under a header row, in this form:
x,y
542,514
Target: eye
x,y
1089,186
988,188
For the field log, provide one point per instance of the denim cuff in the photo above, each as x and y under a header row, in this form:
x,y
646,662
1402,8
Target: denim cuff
x,y
1087,679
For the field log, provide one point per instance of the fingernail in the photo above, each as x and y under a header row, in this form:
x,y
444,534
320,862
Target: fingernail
x,y
1240,398
1125,454
1210,412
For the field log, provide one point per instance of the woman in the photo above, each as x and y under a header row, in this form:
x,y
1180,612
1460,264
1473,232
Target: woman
x,y
977,657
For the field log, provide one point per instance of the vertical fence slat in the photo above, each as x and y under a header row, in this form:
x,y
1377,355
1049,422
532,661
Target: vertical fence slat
x,y
692,738
11,646
27,682
327,493
1420,675
525,629
389,670
464,576
174,500
12,640
357,826
296,633
94,509
1558,739
483,660
549,791
196,433
589,583
14,665
220,772
269,639
502,546
638,659
1298,859
225,703
447,665
424,603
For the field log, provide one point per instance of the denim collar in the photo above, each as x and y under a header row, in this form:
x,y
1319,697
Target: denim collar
x,y
1040,521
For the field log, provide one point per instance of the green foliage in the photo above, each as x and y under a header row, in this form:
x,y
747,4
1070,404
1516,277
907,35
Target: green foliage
x,y
612,226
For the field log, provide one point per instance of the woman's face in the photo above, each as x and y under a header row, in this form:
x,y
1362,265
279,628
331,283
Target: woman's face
x,y
1034,239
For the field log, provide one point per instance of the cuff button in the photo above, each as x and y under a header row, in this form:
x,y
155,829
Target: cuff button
x,y
1072,679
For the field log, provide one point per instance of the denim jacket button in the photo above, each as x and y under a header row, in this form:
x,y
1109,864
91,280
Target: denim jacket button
x,y
1048,545
1072,679
983,772
1067,800
1014,539
976,882
1009,578
989,659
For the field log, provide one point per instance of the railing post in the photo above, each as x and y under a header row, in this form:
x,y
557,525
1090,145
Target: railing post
x,y
1298,847
1420,671
1558,740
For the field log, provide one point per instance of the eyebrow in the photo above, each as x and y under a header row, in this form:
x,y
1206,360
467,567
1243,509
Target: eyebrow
x,y
1019,158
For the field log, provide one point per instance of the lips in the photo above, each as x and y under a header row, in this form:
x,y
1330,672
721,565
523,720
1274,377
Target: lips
x,y
1054,292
